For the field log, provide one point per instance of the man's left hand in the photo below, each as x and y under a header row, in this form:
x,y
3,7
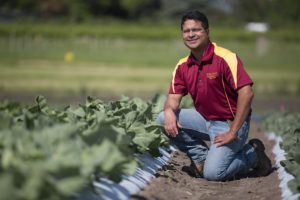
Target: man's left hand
x,y
225,138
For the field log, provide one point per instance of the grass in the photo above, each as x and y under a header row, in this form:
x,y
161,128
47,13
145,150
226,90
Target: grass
x,y
118,65
61,77
133,30
134,53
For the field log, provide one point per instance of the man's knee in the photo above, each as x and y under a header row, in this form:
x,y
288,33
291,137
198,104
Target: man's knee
x,y
213,174
160,119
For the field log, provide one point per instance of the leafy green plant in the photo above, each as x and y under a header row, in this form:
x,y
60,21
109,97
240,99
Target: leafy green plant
x,y
287,126
54,154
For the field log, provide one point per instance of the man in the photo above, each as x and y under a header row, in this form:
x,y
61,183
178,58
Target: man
x,y
222,94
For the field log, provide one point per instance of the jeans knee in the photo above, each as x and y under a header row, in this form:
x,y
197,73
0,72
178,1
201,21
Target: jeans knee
x,y
213,174
160,118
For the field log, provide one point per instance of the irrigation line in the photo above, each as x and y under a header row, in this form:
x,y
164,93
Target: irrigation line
x,y
109,190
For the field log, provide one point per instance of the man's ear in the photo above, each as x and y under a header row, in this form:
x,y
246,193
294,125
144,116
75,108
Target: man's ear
x,y
207,31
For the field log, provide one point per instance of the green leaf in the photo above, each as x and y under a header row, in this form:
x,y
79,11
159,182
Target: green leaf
x,y
130,118
143,138
33,184
79,112
69,186
42,103
7,158
294,186
5,120
7,188
109,159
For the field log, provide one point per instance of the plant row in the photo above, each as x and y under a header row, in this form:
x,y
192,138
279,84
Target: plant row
x,y
51,153
287,126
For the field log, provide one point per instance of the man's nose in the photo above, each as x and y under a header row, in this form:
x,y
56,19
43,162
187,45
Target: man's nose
x,y
191,33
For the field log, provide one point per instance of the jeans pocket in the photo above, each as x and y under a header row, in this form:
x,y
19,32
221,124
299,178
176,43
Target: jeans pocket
x,y
218,127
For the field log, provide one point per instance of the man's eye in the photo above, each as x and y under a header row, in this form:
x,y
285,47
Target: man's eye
x,y
193,30
196,30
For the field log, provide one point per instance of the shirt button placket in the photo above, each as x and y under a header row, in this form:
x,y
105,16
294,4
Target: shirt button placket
x,y
199,73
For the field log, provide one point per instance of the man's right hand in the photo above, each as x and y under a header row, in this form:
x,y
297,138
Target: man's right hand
x,y
171,123
172,104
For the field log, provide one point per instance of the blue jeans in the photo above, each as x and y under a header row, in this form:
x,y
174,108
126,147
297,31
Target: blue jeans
x,y
222,163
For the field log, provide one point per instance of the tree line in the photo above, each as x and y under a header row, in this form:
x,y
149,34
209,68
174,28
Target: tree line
x,y
273,12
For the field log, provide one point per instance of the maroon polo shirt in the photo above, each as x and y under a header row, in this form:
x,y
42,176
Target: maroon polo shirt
x,y
212,83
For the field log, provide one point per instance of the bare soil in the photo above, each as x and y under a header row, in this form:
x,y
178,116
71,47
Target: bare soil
x,y
172,183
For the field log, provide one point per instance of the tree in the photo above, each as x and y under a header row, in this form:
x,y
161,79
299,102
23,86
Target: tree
x,y
138,8
275,12
175,8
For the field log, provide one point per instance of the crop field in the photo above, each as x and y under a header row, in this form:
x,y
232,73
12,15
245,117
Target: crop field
x,y
111,61
48,153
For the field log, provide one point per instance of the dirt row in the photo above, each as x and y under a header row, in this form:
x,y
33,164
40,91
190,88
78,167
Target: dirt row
x,y
172,183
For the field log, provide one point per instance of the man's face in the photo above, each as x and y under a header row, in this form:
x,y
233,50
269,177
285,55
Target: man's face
x,y
195,37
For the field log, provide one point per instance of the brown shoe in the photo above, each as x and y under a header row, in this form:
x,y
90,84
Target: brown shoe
x,y
263,166
195,169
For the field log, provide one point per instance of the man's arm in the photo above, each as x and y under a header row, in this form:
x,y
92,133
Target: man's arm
x,y
171,106
245,96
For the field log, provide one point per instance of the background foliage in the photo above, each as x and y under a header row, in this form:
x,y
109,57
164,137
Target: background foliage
x,y
276,12
113,47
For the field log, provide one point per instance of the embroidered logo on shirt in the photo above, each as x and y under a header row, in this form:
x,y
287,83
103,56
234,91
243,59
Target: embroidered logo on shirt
x,y
212,75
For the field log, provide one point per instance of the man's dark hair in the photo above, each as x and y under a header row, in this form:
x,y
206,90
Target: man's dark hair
x,y
195,15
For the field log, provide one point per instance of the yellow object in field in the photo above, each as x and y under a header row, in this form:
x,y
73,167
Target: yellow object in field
x,y
69,57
